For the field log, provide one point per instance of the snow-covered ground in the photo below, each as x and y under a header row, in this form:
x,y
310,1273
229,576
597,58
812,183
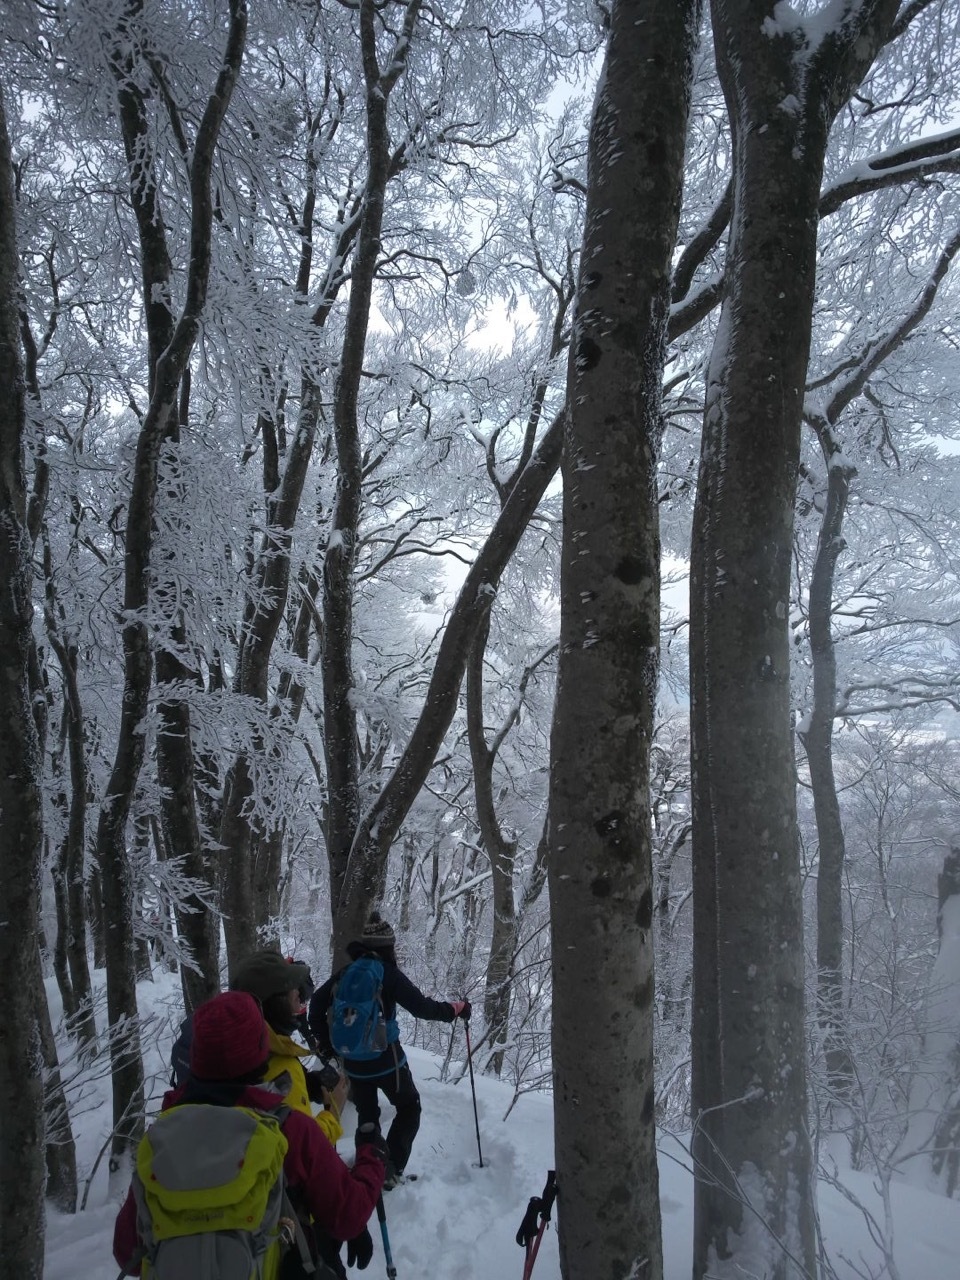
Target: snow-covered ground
x,y
458,1221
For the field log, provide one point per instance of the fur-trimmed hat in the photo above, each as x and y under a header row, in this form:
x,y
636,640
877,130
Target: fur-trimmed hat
x,y
267,973
377,935
229,1037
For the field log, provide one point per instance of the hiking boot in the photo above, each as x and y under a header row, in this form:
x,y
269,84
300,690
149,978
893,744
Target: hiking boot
x,y
394,1177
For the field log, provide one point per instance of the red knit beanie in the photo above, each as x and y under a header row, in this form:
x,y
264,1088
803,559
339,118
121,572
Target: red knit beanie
x,y
229,1037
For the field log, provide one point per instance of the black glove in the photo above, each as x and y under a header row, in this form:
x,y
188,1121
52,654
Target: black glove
x,y
369,1138
360,1250
314,1086
327,1076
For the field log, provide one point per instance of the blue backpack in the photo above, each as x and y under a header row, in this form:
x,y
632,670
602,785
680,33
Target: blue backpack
x,y
358,1028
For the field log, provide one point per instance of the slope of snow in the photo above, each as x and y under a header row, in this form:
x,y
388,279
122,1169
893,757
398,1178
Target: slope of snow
x,y
458,1221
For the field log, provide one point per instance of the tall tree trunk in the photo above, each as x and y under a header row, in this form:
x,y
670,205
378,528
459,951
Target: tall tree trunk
x,y
68,872
502,854
61,967
159,424
754,1191
358,843
339,715
60,1148
198,922
817,738
254,855
599,861
94,903
21,827
240,836
176,769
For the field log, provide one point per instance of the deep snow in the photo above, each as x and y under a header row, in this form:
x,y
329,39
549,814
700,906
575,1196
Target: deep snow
x,y
458,1221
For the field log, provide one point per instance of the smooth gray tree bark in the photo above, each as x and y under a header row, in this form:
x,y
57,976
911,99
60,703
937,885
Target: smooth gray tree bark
x,y
599,858
783,86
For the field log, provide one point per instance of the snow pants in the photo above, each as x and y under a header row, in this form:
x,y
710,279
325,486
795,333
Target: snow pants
x,y
400,1091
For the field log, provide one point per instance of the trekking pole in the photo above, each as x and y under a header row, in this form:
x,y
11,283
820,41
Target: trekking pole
x,y
473,1090
530,1234
382,1215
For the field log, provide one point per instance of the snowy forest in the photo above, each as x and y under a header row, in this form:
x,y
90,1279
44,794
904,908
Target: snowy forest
x,y
496,463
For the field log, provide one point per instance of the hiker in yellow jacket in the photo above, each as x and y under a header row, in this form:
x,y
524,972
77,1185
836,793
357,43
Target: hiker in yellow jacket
x,y
282,986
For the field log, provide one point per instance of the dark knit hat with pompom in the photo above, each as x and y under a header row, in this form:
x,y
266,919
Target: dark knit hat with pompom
x,y
377,934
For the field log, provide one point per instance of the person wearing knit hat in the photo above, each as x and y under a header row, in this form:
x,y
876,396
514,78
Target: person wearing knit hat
x,y
229,1049
229,1039
279,984
388,1073
267,973
377,935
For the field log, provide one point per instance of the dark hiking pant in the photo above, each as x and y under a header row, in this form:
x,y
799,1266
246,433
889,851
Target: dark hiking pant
x,y
399,1090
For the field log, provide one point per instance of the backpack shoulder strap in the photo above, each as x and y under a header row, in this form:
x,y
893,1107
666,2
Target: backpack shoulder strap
x,y
290,1221
289,1217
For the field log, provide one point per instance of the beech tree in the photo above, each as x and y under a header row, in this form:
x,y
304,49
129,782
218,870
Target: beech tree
x,y
784,77
599,861
168,365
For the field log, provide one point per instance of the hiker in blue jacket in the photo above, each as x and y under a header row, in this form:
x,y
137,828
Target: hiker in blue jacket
x,y
389,1070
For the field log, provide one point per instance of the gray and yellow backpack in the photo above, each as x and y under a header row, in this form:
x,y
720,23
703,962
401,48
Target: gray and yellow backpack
x,y
211,1199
